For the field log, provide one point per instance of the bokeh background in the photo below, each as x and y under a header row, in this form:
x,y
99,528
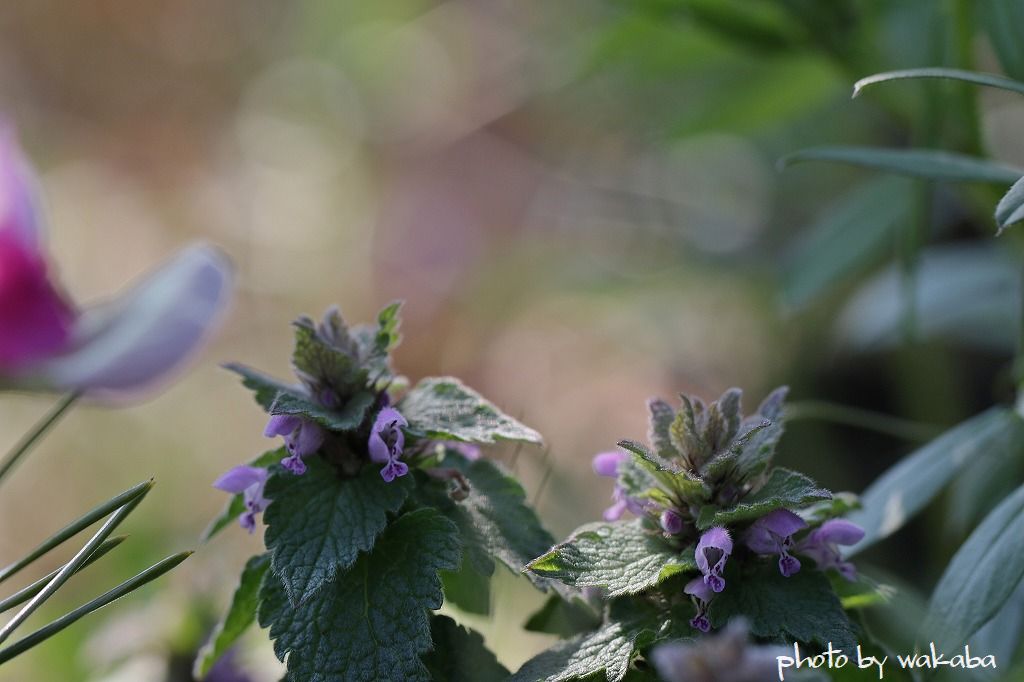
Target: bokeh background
x,y
578,201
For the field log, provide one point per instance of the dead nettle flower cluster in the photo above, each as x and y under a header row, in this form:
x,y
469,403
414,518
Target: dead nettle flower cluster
x,y
707,478
378,499
719,533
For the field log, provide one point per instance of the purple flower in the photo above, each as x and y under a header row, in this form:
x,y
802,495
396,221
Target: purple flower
x,y
302,437
703,596
607,463
822,546
467,450
671,522
386,443
114,349
773,534
249,481
713,550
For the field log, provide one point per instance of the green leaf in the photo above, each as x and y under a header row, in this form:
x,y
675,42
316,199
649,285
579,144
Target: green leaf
x,y
327,355
444,408
348,418
623,558
1003,21
915,480
371,623
932,164
981,576
802,607
659,430
844,239
749,455
239,617
563,617
236,505
496,509
460,655
1010,208
988,79
318,523
639,477
784,489
632,625
468,589
264,387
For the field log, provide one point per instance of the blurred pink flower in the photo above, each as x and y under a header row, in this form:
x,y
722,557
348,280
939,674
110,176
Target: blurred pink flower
x,y
111,349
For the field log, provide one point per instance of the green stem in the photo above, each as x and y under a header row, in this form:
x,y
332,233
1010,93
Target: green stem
x,y
820,410
37,432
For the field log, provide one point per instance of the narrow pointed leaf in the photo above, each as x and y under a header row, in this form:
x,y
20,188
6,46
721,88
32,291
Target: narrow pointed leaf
x,y
1010,209
127,587
38,430
914,481
989,79
76,527
931,164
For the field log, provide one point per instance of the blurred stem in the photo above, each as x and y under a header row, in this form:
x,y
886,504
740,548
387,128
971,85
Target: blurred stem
x,y
962,48
820,410
37,432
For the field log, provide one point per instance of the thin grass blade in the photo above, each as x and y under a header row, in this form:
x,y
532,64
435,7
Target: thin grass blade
x,y
37,432
989,79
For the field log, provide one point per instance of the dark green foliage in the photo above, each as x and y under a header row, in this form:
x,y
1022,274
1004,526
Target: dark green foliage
x,y
459,655
239,617
445,408
564,617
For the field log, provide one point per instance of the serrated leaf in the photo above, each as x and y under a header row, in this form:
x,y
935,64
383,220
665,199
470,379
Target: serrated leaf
x,y
659,427
802,607
236,505
915,480
607,652
445,409
327,356
747,456
784,489
563,617
460,655
932,164
1010,208
241,614
685,434
989,79
981,576
265,388
372,623
347,418
689,487
318,523
494,515
623,558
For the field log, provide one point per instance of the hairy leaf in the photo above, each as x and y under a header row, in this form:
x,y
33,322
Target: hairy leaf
x,y
623,558
327,356
444,408
239,617
265,388
347,418
460,655
372,623
658,433
784,489
802,607
318,523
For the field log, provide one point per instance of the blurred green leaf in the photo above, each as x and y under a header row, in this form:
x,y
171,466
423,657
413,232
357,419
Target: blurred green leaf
x,y
902,491
127,587
1004,22
981,576
970,294
991,80
346,418
750,24
563,617
265,388
932,164
241,614
467,589
846,237
1010,208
